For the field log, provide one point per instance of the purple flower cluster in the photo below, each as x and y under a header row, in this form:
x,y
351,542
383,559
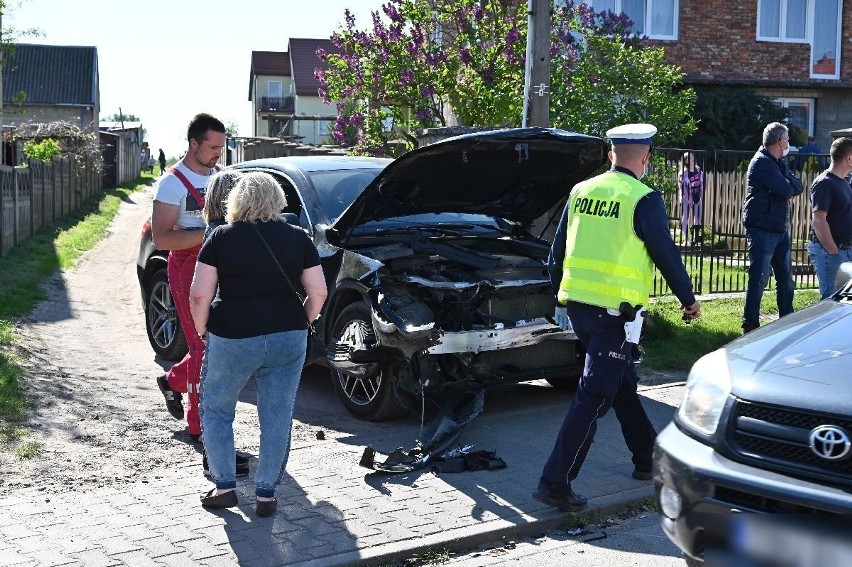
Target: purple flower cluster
x,y
392,12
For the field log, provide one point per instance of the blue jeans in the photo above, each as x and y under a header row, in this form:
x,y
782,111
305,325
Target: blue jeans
x,y
826,266
765,250
276,361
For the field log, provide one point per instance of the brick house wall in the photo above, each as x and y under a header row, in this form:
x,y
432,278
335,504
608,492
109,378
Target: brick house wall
x,y
717,42
717,45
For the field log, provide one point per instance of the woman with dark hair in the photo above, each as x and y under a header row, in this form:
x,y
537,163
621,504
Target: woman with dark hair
x,y
691,193
255,327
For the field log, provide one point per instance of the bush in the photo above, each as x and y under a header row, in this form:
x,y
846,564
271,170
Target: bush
x,y
44,150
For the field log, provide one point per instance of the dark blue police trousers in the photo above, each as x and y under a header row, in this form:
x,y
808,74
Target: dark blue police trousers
x,y
609,380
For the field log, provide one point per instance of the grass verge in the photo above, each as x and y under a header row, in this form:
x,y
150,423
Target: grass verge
x,y
672,345
22,272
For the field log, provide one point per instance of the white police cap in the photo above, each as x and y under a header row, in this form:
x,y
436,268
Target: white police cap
x,y
632,134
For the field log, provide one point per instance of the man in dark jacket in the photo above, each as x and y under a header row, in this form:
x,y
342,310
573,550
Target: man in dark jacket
x,y
766,216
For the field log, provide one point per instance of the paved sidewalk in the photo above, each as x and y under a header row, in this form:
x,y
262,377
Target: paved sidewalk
x,y
331,511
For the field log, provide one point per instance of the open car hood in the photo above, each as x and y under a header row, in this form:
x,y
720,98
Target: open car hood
x,y
516,174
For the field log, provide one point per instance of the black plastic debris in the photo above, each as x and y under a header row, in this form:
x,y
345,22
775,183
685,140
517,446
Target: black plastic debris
x,y
437,453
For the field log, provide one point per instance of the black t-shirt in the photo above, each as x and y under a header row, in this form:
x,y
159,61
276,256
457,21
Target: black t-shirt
x,y
254,298
833,195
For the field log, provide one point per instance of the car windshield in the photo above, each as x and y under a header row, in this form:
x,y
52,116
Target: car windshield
x,y
446,222
337,189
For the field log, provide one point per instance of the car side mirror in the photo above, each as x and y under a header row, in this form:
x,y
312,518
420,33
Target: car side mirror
x,y
844,276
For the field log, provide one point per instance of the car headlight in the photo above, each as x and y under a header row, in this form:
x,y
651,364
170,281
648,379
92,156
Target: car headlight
x,y
707,390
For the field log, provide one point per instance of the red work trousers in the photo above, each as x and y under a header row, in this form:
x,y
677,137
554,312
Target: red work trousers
x,y
185,375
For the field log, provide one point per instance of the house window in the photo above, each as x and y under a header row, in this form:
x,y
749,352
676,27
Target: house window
x,y
322,128
825,48
657,19
801,113
274,89
805,21
782,20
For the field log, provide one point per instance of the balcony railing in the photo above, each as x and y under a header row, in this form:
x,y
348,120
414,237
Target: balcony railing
x,y
276,103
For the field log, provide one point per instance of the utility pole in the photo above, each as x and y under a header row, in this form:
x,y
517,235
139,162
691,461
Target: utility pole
x,y
2,48
537,75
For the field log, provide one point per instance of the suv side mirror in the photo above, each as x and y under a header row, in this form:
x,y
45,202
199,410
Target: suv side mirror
x,y
844,276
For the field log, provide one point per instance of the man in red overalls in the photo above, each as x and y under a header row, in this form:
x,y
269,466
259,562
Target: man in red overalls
x,y
177,226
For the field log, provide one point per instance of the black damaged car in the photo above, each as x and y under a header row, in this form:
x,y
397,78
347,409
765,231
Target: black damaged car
x,y
436,283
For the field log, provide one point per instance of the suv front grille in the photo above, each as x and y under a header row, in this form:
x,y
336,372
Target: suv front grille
x,y
777,439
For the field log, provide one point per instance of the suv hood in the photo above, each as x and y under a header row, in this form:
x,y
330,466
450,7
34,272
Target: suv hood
x,y
801,361
516,174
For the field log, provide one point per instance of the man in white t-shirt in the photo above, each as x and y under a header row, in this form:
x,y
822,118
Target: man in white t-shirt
x,y
177,226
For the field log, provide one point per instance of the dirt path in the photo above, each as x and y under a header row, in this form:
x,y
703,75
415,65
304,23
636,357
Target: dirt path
x,y
98,415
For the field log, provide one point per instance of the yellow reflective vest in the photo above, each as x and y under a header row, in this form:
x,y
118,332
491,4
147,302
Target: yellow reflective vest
x,y
605,262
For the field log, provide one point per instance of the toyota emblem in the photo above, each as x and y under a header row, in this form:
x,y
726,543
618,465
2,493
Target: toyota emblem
x,y
830,442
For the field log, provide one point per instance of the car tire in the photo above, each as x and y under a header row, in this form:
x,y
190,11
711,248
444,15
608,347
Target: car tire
x,y
370,397
568,383
161,320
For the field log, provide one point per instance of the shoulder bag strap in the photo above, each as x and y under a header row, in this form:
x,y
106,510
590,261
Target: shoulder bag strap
x,y
283,273
189,187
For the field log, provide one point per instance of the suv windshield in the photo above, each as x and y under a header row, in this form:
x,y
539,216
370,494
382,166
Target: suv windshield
x,y
337,189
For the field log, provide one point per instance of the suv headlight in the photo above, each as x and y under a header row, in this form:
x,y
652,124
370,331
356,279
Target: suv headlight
x,y
707,390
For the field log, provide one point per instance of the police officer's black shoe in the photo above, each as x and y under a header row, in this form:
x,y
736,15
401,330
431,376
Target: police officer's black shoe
x,y
561,497
642,473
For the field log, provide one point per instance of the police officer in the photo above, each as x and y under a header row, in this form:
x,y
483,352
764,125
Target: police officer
x,y
614,229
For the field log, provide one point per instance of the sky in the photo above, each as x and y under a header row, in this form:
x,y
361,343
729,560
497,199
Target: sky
x,y
165,61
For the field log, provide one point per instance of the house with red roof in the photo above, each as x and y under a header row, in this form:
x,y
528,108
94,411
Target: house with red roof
x,y
283,90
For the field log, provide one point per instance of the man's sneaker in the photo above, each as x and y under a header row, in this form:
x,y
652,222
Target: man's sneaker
x,y
643,473
241,461
562,498
174,401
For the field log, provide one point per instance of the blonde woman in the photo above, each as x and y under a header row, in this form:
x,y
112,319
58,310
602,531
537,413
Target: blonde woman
x,y
256,327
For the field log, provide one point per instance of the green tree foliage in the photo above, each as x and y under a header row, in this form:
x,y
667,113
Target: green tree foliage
x,y
232,128
425,60
126,117
45,150
734,119
614,82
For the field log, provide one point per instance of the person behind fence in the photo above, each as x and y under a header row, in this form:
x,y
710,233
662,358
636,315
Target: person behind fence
x,y
162,159
255,327
770,185
808,152
691,183
177,226
601,269
831,225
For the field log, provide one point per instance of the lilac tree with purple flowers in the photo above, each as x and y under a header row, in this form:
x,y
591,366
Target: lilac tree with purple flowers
x,y
426,63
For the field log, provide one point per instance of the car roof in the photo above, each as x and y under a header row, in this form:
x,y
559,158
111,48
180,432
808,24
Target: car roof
x,y
316,163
